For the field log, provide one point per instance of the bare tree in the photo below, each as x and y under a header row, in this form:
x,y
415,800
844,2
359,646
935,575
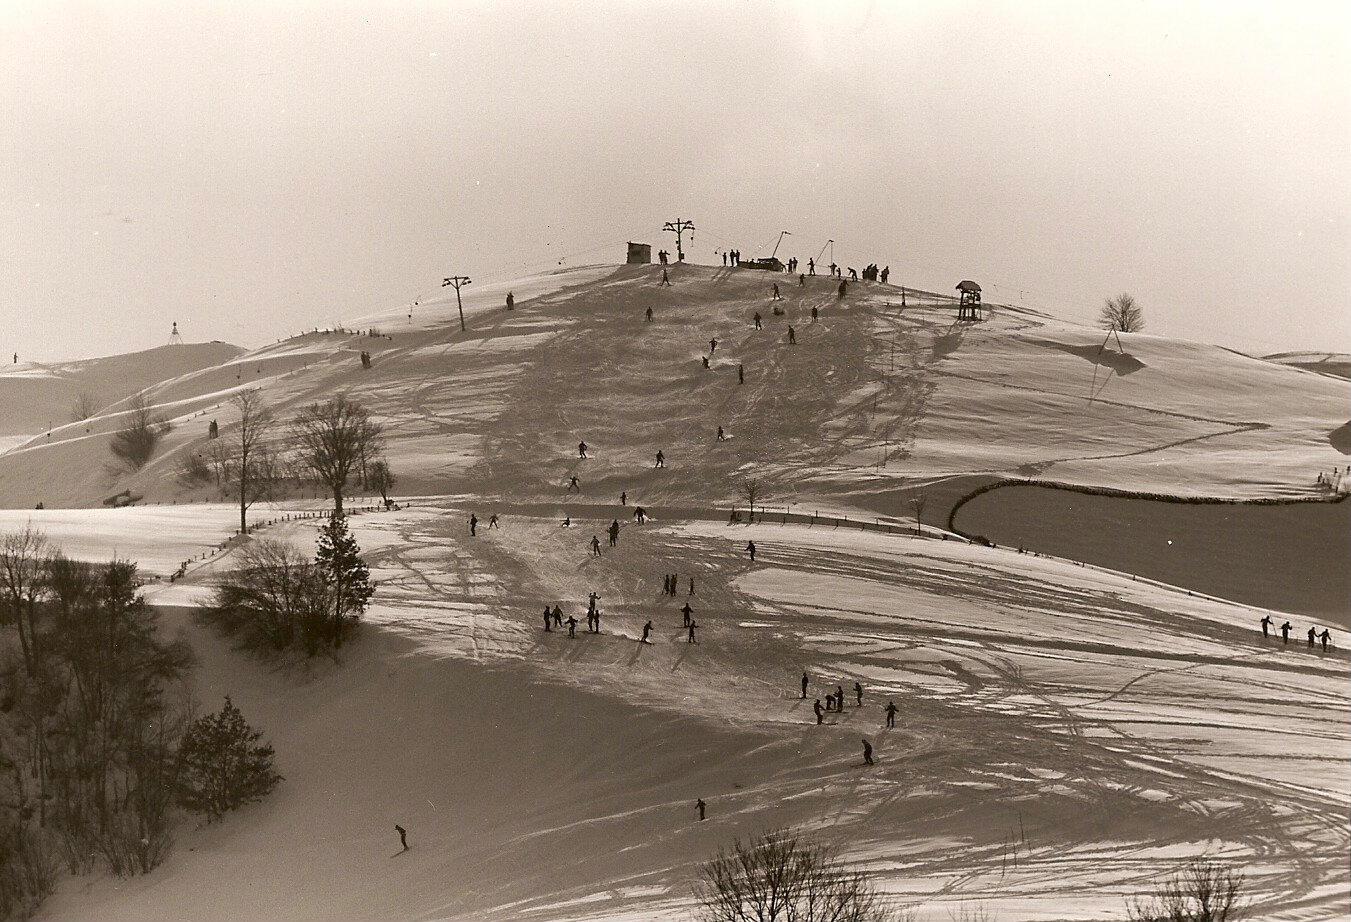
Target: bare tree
x,y
24,556
782,877
135,443
1202,891
918,502
334,436
255,421
1122,314
85,406
382,479
751,489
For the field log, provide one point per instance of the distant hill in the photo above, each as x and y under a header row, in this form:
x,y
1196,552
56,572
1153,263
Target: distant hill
x,y
1327,363
34,395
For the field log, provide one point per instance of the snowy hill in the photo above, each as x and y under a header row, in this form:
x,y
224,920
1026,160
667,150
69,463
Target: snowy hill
x,y
1067,733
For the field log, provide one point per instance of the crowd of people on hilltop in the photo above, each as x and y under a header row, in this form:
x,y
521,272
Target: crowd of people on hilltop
x,y
1338,481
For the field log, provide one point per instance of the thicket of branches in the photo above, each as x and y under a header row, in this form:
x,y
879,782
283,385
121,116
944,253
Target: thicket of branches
x,y
1201,891
134,444
1122,314
89,721
276,599
782,876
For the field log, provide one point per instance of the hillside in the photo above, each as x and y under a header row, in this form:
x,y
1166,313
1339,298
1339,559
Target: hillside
x,y
34,395
1067,733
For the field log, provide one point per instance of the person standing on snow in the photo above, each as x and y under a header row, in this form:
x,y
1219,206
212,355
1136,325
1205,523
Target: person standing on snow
x,y
867,752
473,525
687,611
647,629
804,684
858,695
595,545
614,533
891,714
750,549
1266,623
820,714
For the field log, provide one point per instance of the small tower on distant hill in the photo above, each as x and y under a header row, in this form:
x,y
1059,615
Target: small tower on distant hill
x,y
175,337
968,306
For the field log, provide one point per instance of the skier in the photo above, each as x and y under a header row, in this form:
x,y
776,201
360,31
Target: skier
x,y
839,698
704,359
811,267
891,714
886,271
1266,623
699,804
741,374
596,619
814,313
547,615
649,315
614,533
712,345
591,599
792,337
867,752
1312,634
750,549
623,499
801,281
473,525
647,629
558,615
1324,638
640,514
693,625
757,318
511,301
666,584
721,437
492,520
661,460
567,519
687,611
777,296
403,836
820,714
595,545
804,686
1285,632
573,485
665,279
691,585
572,625
581,450
858,695
843,286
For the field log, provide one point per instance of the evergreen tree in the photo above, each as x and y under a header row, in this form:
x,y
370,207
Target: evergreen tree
x,y
223,764
347,576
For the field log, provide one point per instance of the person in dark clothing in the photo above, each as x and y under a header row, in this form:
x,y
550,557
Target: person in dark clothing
x,y
686,611
666,584
596,619
750,549
704,359
572,625
649,315
801,281
567,519
492,520
1266,623
558,616
595,545
640,514
820,714
1285,632
647,629
741,374
665,279
661,460
699,804
511,301
547,616
614,533
777,296
403,836
858,695
811,267
690,639
581,450
792,336
473,525
573,485
1324,638
867,752
757,318
839,698
805,680
691,585
712,345
891,714
815,313
1312,635
722,436
843,286
623,499
886,271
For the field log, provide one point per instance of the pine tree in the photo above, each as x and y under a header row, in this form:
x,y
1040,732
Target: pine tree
x,y
223,764
347,576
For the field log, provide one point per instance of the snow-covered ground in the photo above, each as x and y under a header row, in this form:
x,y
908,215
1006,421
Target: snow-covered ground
x,y
1066,734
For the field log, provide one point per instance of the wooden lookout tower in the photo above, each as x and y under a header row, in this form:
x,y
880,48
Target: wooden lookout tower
x,y
968,306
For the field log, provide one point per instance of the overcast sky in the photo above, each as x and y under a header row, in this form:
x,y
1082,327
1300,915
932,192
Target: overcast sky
x,y
251,169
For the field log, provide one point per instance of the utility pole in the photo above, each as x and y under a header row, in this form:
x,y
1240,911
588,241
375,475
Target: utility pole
x,y
782,234
678,227
457,281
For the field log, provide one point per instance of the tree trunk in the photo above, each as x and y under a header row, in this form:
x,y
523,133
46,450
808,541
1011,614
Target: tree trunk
x,y
337,500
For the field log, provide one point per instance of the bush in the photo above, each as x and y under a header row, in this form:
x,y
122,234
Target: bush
x,y
28,872
223,764
134,445
1202,891
781,877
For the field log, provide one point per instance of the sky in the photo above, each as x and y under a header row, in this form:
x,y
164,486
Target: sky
x,y
250,169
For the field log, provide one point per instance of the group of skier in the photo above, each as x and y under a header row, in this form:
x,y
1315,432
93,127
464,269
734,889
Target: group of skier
x,y
1315,637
